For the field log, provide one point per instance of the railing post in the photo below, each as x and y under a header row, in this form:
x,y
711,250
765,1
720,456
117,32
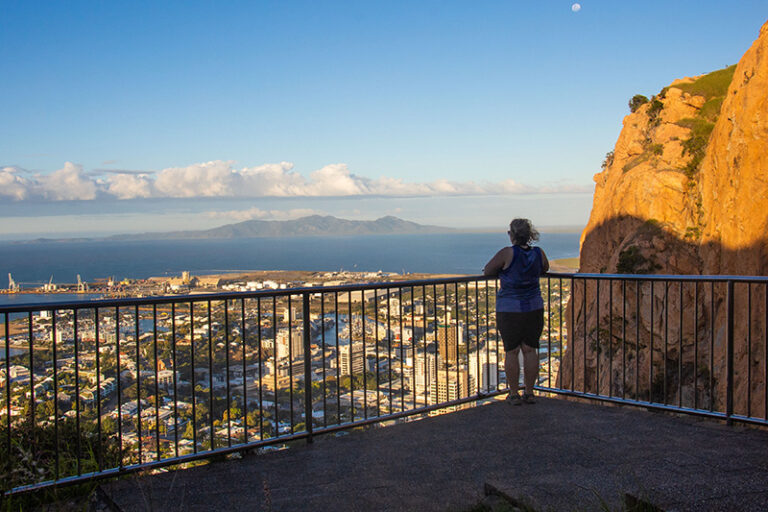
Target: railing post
x,y
307,365
729,353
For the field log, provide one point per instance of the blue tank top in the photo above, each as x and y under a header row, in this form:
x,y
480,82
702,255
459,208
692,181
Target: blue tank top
x,y
520,291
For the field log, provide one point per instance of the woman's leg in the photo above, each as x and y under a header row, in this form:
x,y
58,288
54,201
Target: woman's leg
x,y
512,370
530,367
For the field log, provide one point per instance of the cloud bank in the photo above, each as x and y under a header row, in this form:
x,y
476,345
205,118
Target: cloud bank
x,y
221,179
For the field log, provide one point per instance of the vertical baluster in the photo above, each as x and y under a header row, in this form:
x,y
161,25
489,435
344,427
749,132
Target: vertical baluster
x,y
402,347
290,362
457,307
711,345
413,341
157,387
192,367
8,383
598,349
55,393
584,351
666,339
749,350
572,334
696,345
243,339
680,353
610,337
637,340
32,398
175,382
274,339
211,404
137,334
99,446
338,356
78,434
306,342
650,359
365,360
389,345
560,329
729,351
322,358
376,343
426,358
623,339
350,325
118,377
549,332
226,371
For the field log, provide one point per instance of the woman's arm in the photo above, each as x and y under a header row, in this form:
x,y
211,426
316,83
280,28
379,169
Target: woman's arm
x,y
544,261
500,261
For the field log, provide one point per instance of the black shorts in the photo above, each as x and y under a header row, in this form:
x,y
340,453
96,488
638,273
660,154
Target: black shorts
x,y
517,328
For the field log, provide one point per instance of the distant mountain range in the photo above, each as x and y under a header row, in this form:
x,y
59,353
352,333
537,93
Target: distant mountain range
x,y
314,225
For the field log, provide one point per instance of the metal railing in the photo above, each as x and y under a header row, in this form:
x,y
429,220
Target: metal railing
x,y
97,388
691,344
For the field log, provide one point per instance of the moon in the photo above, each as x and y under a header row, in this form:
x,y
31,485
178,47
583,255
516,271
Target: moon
x,y
576,7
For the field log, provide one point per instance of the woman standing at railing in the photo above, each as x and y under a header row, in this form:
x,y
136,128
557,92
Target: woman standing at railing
x,y
519,306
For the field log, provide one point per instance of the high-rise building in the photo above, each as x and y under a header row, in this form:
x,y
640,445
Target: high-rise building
x,y
448,339
296,344
351,360
484,373
426,368
450,386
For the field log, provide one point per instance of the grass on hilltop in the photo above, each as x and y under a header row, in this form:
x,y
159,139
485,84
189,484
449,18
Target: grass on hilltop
x,y
711,85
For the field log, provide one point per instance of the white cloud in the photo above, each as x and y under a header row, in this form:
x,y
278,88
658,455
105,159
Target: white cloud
x,y
258,213
210,179
13,185
220,178
129,186
68,183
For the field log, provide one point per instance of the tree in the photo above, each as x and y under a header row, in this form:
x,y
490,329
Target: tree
x,y
636,102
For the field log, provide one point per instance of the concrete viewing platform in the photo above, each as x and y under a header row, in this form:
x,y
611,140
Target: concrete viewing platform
x,y
554,455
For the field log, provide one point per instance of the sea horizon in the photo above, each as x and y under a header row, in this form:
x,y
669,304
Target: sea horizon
x,y
34,264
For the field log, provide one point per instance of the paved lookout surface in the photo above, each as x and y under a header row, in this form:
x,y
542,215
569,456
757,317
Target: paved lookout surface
x,y
555,455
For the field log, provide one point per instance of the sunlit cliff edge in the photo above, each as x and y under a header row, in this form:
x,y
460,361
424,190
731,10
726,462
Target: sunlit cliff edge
x,y
685,191
686,188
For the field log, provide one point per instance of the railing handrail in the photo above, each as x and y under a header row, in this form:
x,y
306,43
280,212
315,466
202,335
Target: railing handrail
x,y
282,292
273,292
663,277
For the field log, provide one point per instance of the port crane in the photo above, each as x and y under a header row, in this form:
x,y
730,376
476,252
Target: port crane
x,y
12,286
81,286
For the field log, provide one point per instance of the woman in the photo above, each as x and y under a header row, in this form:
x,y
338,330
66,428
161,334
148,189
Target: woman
x,y
519,306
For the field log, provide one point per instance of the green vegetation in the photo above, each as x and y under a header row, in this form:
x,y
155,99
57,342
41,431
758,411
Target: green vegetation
x,y
33,458
696,145
608,161
711,109
653,112
711,85
637,101
631,261
639,159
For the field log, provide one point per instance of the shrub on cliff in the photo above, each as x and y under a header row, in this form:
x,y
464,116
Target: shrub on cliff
x,y
637,101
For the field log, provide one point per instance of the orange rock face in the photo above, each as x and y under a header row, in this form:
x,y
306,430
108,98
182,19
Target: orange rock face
x,y
734,173
685,192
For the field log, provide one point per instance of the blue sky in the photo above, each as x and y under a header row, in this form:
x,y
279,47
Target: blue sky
x,y
139,116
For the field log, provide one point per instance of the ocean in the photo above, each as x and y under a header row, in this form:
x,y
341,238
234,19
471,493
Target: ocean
x,y
33,263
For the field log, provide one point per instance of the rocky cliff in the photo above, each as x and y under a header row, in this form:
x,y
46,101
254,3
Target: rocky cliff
x,y
685,191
